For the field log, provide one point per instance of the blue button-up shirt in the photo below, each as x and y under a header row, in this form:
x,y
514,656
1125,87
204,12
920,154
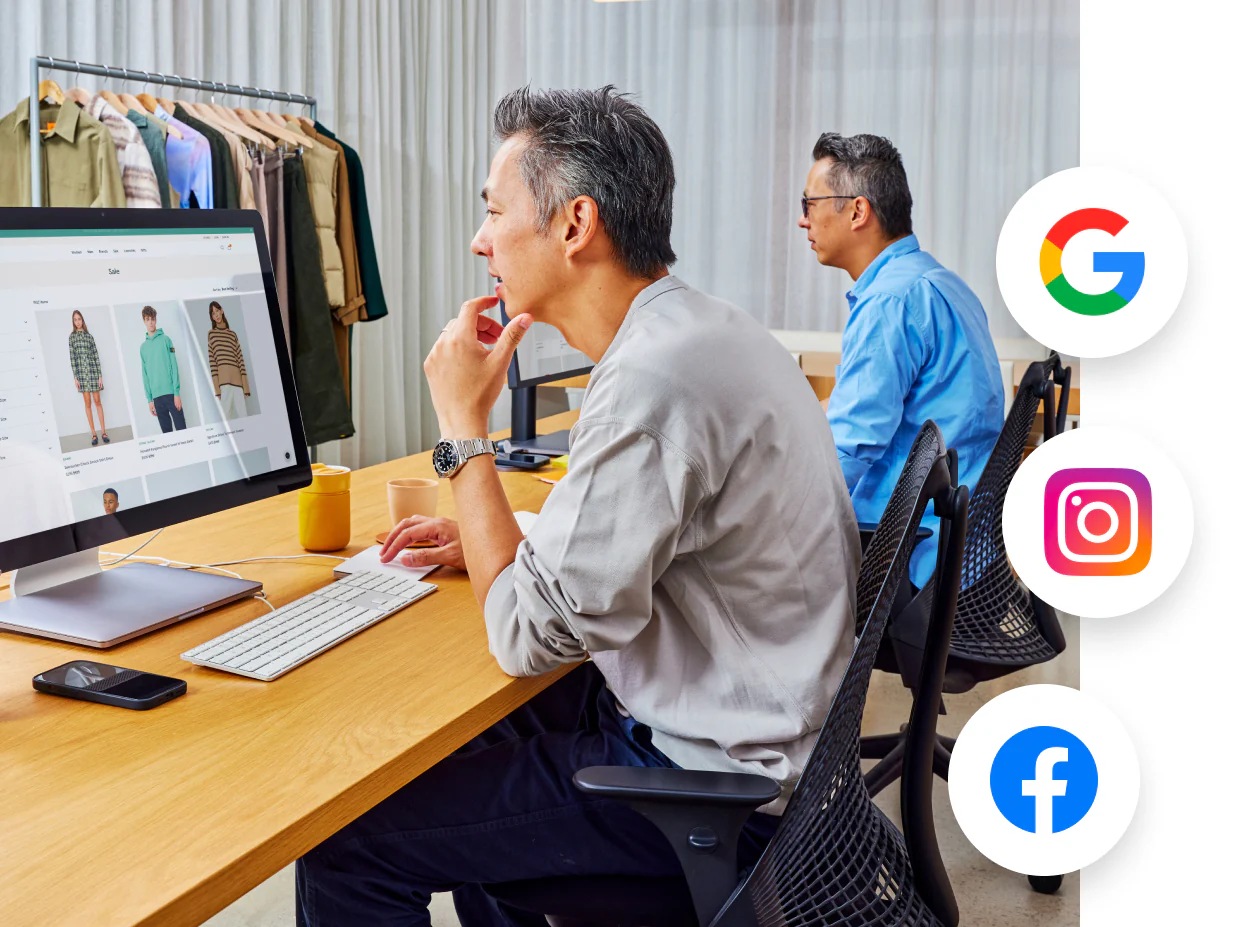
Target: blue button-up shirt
x,y
916,347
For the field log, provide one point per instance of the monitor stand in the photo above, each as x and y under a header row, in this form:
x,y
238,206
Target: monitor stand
x,y
73,599
523,426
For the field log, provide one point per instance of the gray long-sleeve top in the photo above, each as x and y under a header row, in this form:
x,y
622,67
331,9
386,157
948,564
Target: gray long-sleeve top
x,y
702,547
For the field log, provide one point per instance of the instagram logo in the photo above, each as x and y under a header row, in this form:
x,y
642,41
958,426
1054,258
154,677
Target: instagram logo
x,y
1096,522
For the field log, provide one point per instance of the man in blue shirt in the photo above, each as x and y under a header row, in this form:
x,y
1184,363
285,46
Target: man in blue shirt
x,y
916,345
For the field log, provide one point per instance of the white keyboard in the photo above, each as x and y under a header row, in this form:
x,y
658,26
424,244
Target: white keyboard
x,y
269,646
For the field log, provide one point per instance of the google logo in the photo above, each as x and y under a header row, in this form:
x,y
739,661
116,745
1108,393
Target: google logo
x,y
1131,265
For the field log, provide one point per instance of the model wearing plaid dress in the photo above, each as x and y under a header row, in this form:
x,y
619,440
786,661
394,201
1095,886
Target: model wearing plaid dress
x,y
88,374
84,356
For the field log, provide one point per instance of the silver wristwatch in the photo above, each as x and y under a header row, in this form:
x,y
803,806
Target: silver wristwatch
x,y
449,456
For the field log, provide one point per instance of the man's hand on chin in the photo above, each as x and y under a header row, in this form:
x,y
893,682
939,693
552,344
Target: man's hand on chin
x,y
465,377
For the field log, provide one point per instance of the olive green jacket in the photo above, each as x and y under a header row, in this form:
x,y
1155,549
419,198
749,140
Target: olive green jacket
x,y
79,158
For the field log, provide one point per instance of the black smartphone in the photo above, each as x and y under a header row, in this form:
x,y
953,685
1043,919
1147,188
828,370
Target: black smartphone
x,y
522,461
111,685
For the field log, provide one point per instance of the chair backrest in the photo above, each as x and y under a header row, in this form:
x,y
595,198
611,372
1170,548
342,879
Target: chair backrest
x,y
997,620
836,858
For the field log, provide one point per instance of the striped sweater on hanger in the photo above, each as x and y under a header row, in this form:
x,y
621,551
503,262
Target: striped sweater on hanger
x,y
227,362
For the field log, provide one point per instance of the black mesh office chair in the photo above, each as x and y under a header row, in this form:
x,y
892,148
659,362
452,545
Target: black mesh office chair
x,y
1000,627
835,858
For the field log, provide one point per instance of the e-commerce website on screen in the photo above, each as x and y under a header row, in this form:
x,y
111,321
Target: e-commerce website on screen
x,y
135,366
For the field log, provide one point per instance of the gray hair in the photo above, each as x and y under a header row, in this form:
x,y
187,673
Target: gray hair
x,y
869,166
596,143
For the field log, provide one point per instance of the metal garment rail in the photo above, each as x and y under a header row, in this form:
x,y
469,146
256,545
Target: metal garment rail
x,y
44,63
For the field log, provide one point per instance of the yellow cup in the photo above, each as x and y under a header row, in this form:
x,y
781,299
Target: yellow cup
x,y
325,509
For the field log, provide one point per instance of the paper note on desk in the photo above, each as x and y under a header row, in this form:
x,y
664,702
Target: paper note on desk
x,y
367,561
525,520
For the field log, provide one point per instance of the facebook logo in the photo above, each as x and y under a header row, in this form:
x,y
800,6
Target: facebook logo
x,y
1044,780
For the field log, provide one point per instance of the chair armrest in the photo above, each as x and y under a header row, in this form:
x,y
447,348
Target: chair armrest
x,y
686,787
701,814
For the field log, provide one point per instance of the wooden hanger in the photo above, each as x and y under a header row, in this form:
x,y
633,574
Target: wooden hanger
x,y
234,123
133,102
197,111
270,119
137,103
298,124
79,95
169,106
206,114
113,100
293,133
252,118
50,90
299,121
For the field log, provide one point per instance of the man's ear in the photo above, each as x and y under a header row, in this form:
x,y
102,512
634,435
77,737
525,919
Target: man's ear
x,y
861,214
583,221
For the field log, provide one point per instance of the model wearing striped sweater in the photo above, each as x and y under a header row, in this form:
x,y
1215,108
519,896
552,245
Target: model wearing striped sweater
x,y
227,365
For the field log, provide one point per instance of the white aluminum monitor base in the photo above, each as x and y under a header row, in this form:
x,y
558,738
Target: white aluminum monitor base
x,y
55,572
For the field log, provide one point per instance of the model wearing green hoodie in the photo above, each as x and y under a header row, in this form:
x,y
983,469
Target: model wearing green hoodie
x,y
161,374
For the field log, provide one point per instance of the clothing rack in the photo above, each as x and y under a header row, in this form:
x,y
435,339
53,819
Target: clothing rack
x,y
45,63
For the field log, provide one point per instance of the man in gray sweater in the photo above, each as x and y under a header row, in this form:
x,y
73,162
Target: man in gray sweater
x,y
702,549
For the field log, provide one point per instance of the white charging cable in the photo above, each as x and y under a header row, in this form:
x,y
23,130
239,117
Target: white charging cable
x,y
121,558
216,567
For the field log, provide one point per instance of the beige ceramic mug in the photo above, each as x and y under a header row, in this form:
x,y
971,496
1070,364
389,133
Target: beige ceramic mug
x,y
411,496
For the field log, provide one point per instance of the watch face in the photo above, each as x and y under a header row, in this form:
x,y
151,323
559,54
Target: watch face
x,y
444,457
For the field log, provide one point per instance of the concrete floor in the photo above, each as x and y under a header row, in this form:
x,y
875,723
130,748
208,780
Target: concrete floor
x,y
81,442
987,895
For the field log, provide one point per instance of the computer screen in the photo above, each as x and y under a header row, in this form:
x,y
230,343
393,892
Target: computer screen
x,y
543,356
141,370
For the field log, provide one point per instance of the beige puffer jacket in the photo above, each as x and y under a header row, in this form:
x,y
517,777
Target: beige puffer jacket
x,y
320,173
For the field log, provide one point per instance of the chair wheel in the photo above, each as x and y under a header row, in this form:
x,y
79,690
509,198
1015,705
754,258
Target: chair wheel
x,y
1045,885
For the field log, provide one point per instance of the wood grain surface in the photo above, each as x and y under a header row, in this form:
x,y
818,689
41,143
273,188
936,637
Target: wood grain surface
x,y
163,817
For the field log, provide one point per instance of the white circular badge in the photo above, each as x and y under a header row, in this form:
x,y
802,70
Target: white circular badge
x,y
1091,262
1043,780
1097,522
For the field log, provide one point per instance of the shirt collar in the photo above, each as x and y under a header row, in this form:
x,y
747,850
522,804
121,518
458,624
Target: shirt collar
x,y
901,246
655,289
66,118
642,298
138,119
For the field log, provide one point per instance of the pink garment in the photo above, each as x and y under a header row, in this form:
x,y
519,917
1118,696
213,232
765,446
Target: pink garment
x,y
141,186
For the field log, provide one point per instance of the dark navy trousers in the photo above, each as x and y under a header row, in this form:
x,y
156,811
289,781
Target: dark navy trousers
x,y
500,809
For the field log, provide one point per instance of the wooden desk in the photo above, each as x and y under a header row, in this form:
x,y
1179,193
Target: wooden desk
x,y
579,382
114,817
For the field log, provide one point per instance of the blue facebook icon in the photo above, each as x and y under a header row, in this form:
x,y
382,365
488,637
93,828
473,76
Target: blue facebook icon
x,y
1044,780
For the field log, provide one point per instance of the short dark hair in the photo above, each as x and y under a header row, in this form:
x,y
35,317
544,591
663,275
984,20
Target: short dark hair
x,y
113,492
148,312
596,143
869,166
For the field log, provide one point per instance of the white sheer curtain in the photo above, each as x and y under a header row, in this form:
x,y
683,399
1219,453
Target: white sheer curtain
x,y
981,96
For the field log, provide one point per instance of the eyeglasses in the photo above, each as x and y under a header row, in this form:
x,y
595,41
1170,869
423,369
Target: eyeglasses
x,y
808,200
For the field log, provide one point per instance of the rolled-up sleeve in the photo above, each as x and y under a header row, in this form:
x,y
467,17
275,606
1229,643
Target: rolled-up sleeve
x,y
881,353
582,580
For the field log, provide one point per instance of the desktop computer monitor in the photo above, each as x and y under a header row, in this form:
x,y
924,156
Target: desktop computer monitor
x,y
145,379
543,356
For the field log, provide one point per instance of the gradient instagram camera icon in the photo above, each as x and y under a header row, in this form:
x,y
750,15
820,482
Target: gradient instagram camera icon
x,y
1096,522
